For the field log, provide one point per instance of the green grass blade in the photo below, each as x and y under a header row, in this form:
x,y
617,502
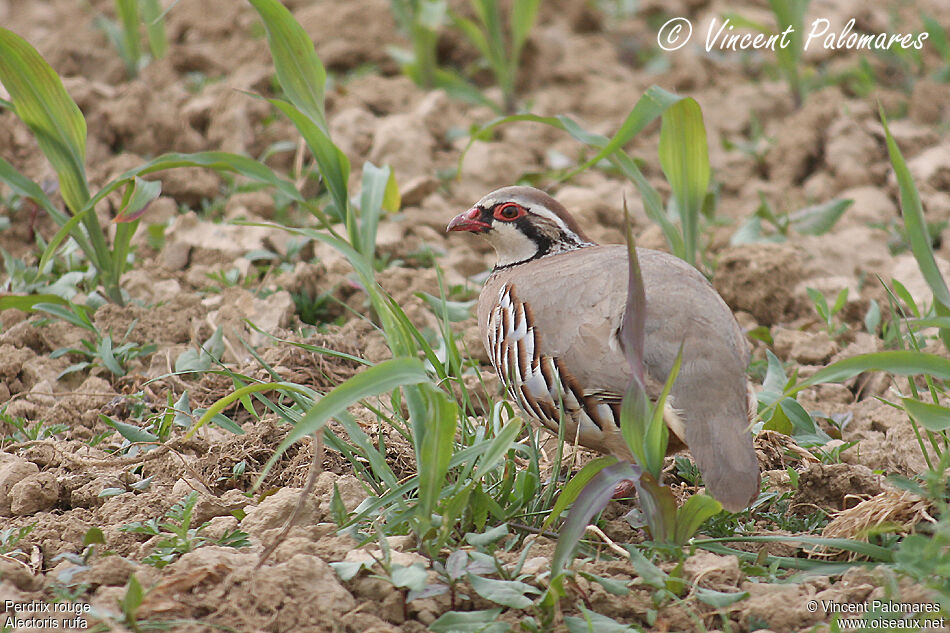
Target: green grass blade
x,y
384,377
874,552
692,515
914,221
904,363
333,164
41,101
915,224
299,69
684,157
27,303
818,219
652,104
219,161
223,403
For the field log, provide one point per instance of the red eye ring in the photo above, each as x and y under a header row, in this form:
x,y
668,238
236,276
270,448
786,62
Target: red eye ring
x,y
508,212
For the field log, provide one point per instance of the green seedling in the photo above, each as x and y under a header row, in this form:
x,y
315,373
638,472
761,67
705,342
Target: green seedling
x,y
38,98
789,20
827,314
499,38
179,537
765,225
23,431
125,34
500,43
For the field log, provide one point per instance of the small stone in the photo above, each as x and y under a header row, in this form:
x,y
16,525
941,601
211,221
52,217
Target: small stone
x,y
36,493
12,471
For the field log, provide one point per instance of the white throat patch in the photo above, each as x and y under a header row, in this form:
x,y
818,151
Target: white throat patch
x,y
511,245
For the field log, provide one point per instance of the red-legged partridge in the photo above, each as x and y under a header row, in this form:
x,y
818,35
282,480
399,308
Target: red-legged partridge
x,y
549,316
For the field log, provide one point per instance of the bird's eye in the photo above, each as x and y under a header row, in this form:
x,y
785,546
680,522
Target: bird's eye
x,y
509,211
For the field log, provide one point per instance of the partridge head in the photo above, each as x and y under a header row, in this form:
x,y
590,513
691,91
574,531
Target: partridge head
x,y
550,314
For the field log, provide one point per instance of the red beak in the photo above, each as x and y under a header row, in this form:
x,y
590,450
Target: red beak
x,y
468,221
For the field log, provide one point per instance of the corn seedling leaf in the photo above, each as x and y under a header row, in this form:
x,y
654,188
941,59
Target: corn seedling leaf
x,y
434,448
138,195
26,188
692,515
299,70
41,101
684,157
381,378
932,417
904,363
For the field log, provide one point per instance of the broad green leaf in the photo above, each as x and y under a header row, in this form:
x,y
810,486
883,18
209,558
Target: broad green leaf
x,y
27,303
904,363
455,310
720,599
775,379
41,101
647,573
818,219
409,577
593,622
379,183
469,622
26,188
523,15
508,593
381,378
106,355
498,446
692,514
128,431
684,157
138,195
932,417
299,69
652,104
